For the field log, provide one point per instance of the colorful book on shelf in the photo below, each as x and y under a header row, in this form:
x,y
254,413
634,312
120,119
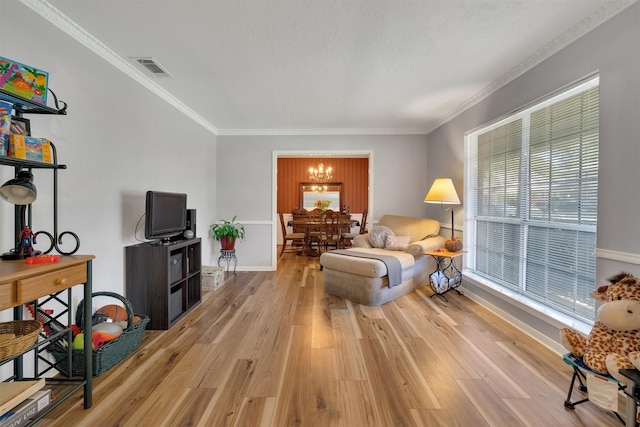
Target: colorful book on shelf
x,y
29,148
21,414
15,392
5,126
23,80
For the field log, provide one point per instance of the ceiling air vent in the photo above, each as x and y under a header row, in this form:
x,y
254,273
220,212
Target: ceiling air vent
x,y
152,66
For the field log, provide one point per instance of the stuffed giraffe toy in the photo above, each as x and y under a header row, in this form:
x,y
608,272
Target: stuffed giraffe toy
x,y
614,340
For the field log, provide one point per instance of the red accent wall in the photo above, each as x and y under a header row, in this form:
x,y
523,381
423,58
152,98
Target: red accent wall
x,y
353,173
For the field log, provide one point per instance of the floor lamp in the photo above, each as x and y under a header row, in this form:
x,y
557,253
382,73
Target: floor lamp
x,y
442,191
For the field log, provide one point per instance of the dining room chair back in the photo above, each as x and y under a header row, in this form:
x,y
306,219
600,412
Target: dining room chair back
x,y
347,236
331,236
296,239
315,214
312,233
363,222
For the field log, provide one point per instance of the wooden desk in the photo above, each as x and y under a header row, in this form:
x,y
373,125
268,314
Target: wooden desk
x,y
22,283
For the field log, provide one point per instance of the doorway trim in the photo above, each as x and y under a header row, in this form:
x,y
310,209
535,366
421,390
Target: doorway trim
x,y
308,154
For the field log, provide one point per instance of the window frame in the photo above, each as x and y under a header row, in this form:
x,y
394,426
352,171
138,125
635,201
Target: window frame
x,y
520,293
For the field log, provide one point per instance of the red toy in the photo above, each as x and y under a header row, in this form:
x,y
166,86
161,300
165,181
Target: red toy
x,y
75,330
42,259
26,241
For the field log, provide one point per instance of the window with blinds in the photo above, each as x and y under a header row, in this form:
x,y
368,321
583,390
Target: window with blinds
x,y
531,201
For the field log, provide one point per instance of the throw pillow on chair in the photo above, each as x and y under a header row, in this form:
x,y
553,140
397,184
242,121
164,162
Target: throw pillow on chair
x,y
378,236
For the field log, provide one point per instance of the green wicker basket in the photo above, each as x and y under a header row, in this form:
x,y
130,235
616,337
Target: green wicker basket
x,y
112,352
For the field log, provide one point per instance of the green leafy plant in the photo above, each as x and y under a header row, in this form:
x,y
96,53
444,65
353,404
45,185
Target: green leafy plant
x,y
226,228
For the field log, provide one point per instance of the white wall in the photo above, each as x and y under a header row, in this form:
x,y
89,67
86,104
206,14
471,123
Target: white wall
x,y
118,140
245,181
612,50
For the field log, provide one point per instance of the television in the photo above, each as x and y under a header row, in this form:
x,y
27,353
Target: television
x,y
165,215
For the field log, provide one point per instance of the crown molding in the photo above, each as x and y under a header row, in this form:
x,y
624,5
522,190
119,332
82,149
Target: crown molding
x,y
572,34
56,17
321,131
63,22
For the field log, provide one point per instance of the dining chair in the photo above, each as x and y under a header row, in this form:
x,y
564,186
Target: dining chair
x,y
296,239
331,235
315,212
363,223
313,230
298,212
348,237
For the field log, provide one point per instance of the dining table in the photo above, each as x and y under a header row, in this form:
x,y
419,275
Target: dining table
x,y
315,226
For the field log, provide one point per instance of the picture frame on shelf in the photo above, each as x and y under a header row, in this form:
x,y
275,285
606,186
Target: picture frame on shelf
x,y
20,125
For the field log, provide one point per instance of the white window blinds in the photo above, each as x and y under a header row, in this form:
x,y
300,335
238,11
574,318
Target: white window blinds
x,y
531,201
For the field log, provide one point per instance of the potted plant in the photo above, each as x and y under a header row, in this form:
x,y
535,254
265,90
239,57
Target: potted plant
x,y
227,232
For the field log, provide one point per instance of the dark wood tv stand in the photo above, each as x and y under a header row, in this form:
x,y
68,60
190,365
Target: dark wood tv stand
x,y
163,280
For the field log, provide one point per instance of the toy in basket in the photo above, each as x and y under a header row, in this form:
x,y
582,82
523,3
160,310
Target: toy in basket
x,y
108,354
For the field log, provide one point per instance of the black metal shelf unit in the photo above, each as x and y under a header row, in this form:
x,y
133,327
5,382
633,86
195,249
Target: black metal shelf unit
x,y
54,324
23,106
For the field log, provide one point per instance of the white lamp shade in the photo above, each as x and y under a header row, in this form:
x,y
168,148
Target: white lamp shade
x,y
442,191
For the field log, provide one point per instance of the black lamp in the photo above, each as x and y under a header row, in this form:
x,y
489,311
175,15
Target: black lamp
x,y
20,191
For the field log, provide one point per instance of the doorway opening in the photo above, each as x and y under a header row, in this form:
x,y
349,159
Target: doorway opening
x,y
352,168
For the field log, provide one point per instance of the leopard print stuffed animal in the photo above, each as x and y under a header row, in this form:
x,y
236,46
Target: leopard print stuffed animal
x,y
614,340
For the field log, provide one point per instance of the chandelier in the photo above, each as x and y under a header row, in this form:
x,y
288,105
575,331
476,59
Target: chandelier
x,y
319,188
321,174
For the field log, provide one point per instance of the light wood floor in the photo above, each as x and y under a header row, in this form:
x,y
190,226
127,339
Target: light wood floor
x,y
272,349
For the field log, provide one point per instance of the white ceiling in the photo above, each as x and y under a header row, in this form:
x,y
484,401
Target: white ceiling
x,y
327,66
